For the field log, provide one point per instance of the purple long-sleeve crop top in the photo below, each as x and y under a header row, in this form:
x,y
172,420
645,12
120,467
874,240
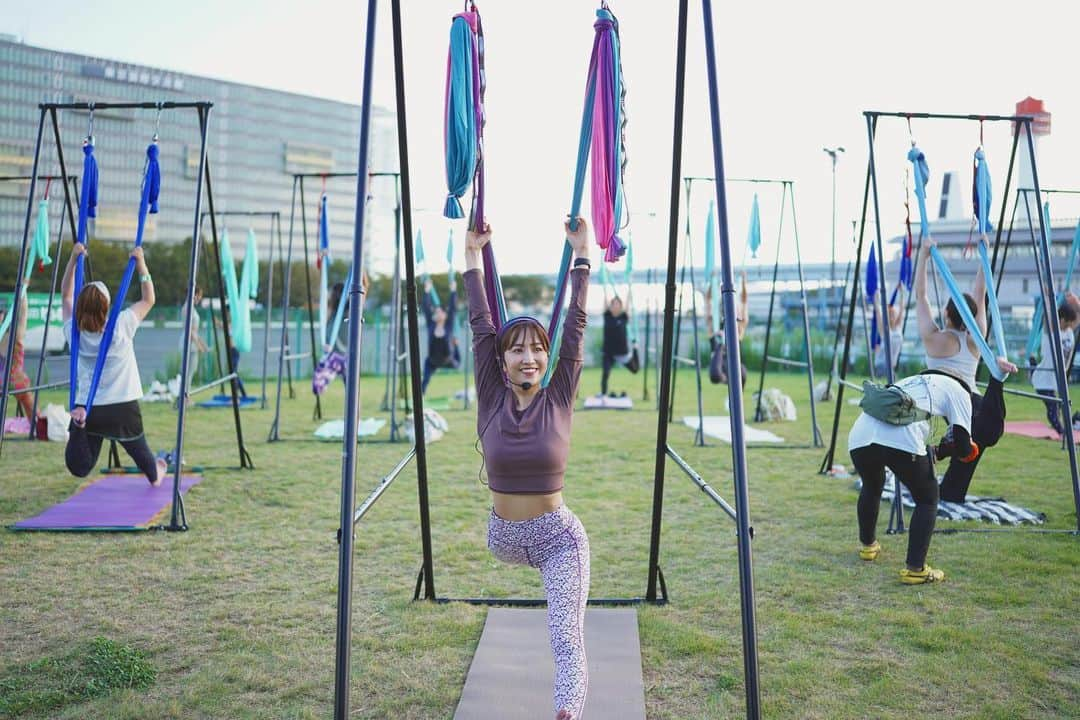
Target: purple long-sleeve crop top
x,y
525,451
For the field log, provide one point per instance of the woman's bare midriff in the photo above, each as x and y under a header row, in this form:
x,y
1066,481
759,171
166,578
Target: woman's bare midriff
x,y
524,507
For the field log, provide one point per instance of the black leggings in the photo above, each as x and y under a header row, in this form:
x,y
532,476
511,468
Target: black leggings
x,y
987,427
83,449
608,363
917,473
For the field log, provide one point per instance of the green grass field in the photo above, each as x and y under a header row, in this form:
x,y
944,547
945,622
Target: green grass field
x,y
235,618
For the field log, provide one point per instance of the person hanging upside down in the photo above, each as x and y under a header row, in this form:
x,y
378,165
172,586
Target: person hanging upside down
x,y
1043,378
441,347
335,355
115,414
952,351
718,358
875,445
19,380
616,345
525,432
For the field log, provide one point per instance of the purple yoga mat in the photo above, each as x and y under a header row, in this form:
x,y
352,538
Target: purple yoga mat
x,y
119,502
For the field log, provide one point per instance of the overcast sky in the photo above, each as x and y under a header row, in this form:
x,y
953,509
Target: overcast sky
x,y
794,77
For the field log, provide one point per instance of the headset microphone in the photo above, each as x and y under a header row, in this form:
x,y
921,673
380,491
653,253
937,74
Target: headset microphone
x,y
524,386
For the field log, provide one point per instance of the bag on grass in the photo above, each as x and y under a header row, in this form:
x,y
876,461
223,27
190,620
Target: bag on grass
x,y
890,404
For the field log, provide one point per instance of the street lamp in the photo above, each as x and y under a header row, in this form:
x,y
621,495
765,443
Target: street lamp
x,y
833,153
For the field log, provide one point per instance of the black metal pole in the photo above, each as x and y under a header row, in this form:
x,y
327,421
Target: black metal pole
x,y
734,361
268,305
647,345
177,517
234,370
758,417
352,396
815,431
286,281
410,296
896,513
664,362
1050,304
19,275
317,413
827,462
52,292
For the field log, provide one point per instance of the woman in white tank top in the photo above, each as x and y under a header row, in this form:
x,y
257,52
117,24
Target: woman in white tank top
x,y
953,351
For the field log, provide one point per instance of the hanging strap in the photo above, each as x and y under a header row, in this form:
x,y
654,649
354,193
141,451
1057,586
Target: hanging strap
x,y
322,262
424,275
605,97
87,210
339,313
711,271
634,328
147,204
922,174
248,290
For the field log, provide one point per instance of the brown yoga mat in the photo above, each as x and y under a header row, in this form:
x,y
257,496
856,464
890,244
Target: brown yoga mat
x,y
512,670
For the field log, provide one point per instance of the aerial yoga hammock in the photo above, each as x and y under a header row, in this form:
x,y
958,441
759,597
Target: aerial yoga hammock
x,y
988,411
1037,325
238,297
442,349
148,204
38,255
332,362
718,358
602,132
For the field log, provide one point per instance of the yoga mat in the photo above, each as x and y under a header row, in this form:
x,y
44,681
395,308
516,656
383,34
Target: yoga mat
x,y
1035,429
599,402
112,502
219,401
512,671
335,429
719,427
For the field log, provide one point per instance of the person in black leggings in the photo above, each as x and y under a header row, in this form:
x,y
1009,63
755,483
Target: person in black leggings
x,y
875,445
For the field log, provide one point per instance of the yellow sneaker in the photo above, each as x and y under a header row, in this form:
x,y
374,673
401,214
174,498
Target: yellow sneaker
x,y
921,577
870,552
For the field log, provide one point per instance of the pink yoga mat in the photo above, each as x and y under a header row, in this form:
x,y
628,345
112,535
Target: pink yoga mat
x,y
115,502
1035,429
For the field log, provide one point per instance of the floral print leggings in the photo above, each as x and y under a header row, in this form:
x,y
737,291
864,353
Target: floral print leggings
x,y
555,544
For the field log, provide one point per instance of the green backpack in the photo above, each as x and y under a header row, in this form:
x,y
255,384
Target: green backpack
x,y
890,404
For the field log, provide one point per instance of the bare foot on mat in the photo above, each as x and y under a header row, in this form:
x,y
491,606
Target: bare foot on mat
x,y
162,469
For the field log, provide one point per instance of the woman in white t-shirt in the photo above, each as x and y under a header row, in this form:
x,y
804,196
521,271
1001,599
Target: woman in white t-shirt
x,y
875,445
115,414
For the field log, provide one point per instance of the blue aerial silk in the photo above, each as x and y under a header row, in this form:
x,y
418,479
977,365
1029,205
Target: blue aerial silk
x,y
753,236
87,210
248,290
871,296
981,193
710,266
634,334
147,204
450,276
460,124
922,175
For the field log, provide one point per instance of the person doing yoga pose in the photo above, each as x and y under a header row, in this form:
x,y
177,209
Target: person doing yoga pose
x,y
19,380
115,414
952,351
442,348
875,444
525,432
1043,378
718,356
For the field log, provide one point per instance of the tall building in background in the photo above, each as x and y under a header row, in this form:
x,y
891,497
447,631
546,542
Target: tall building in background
x,y
257,139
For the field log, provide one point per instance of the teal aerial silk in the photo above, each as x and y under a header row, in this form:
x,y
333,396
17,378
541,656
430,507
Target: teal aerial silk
x,y
39,252
239,328
1035,336
753,237
711,271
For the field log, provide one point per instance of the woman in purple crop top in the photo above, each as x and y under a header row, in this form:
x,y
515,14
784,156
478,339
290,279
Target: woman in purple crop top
x,y
525,432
